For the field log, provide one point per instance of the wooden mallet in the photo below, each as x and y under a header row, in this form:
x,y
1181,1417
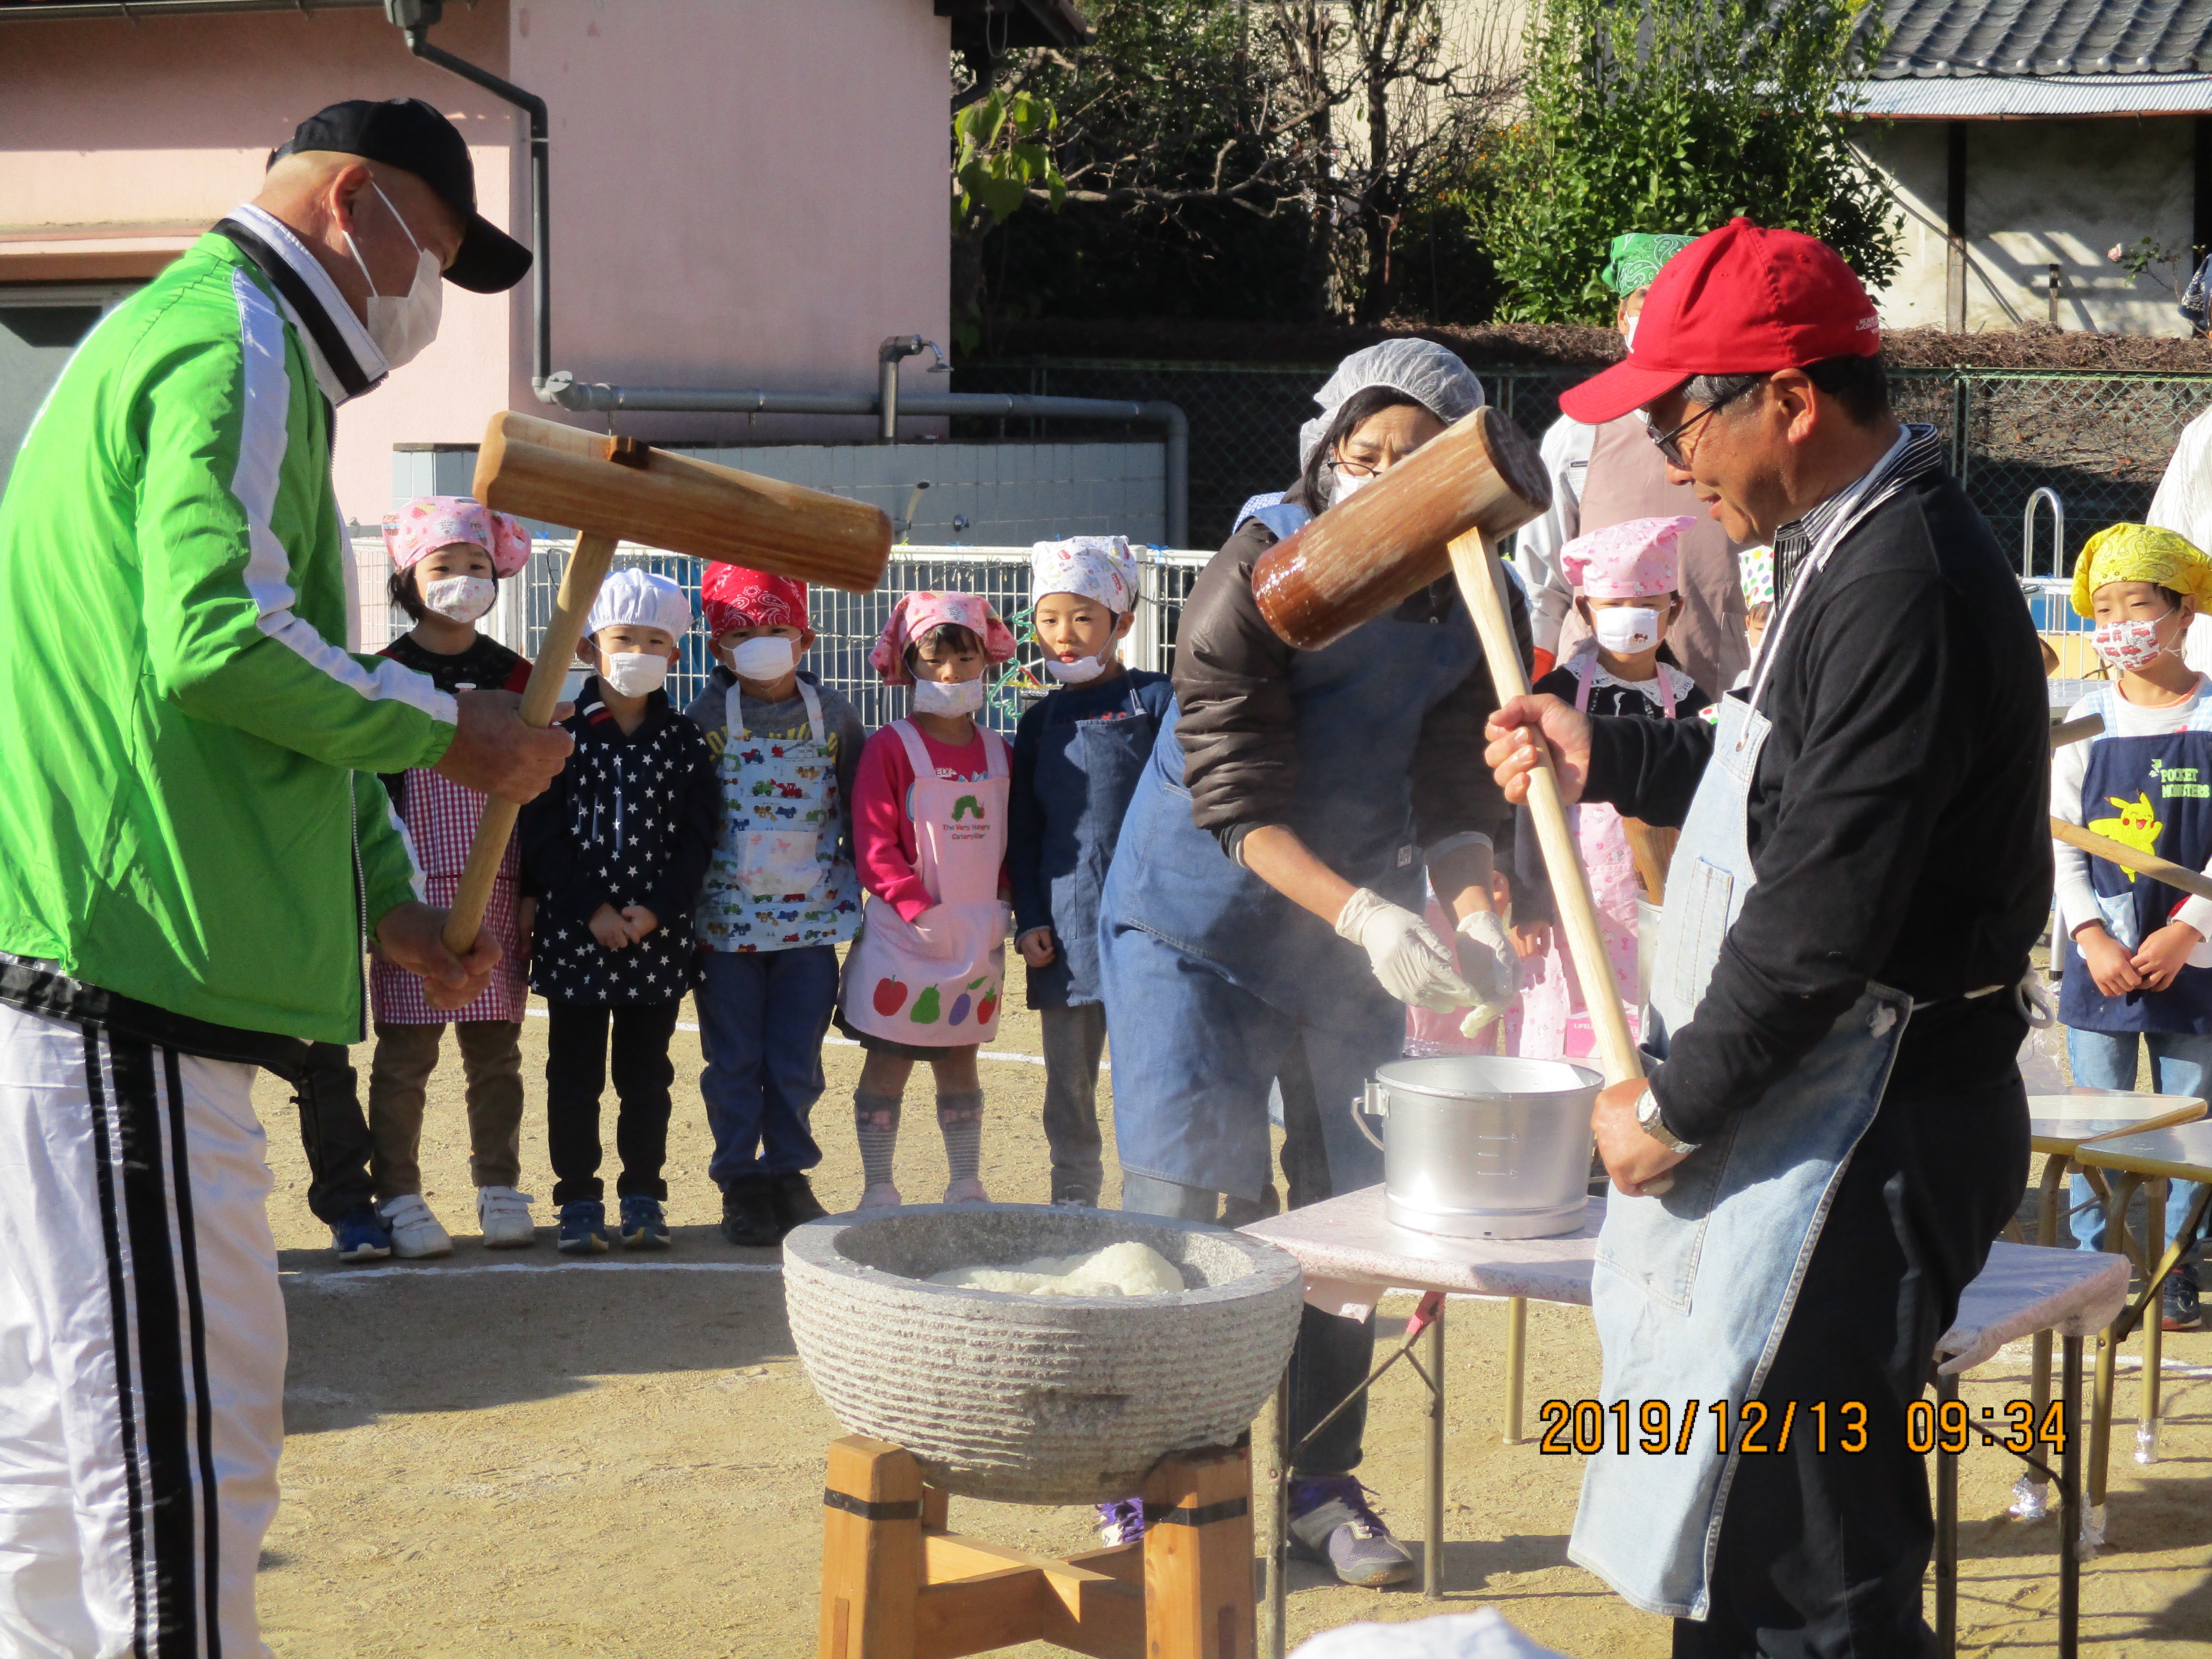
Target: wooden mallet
x,y
612,489
1443,508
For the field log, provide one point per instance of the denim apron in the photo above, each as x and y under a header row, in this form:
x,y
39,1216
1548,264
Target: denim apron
x,y
2154,793
1180,919
1693,1289
1099,766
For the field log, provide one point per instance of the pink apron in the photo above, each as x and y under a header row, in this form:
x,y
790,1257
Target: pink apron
x,y
1555,1021
941,988
441,818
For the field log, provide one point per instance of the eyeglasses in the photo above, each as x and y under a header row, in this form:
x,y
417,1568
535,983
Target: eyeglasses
x,y
1670,442
1344,469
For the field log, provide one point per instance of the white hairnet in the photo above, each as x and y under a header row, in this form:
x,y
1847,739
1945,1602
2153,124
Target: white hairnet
x,y
641,598
1424,371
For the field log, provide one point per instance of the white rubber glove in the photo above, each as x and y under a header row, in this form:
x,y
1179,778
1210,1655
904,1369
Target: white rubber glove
x,y
1412,962
1490,964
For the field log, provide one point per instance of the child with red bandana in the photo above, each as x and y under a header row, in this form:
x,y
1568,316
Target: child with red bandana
x,y
780,895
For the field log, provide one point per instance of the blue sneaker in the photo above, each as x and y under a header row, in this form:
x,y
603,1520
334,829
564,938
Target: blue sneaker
x,y
643,1226
1122,1520
583,1227
361,1235
1332,1523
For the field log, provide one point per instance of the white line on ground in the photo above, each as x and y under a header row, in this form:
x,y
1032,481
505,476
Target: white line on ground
x,y
847,1042
354,1275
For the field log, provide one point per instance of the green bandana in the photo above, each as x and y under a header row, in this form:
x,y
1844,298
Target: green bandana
x,y
1637,259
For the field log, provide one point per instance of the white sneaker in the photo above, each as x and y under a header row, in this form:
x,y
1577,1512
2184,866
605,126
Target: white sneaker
x,y
881,1196
503,1217
969,1191
415,1232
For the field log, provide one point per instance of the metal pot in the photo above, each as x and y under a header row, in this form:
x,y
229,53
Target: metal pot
x,y
1479,1146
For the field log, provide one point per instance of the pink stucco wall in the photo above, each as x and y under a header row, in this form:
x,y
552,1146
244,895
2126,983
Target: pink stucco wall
x,y
742,195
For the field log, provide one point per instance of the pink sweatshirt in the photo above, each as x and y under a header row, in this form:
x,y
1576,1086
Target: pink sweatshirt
x,y
884,847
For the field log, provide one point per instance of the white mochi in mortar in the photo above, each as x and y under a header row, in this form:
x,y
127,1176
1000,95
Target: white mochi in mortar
x,y
1126,1269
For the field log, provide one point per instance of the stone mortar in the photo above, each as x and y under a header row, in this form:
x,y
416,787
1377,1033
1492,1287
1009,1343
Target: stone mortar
x,y
1030,1398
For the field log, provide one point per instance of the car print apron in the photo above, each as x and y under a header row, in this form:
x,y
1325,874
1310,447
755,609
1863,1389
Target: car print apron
x,y
2154,793
1554,1023
776,881
441,817
1693,1288
940,987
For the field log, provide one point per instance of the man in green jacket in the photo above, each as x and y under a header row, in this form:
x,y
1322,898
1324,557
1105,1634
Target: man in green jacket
x,y
193,847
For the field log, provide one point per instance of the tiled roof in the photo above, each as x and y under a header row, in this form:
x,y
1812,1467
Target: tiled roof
x,y
2045,37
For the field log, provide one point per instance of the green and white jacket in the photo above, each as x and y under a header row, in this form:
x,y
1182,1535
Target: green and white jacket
x,y
192,834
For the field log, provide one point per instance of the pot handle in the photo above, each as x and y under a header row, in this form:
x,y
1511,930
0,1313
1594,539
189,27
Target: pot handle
x,y
1373,1100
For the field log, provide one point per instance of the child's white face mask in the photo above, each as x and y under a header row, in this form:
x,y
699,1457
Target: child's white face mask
x,y
948,697
635,673
2130,645
764,660
1081,672
1625,629
460,598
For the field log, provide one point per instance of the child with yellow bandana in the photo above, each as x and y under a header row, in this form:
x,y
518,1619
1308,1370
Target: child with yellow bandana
x,y
2137,966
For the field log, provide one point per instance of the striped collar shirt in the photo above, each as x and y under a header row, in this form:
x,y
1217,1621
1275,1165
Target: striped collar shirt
x,y
1921,453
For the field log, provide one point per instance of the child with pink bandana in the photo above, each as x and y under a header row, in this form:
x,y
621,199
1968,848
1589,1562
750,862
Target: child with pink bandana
x,y
1625,580
449,554
924,979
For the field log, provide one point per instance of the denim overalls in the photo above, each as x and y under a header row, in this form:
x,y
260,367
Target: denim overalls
x,y
1693,1289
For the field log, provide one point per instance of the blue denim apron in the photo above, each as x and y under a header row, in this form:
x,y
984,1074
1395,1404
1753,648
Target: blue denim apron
x,y
1208,969
1693,1289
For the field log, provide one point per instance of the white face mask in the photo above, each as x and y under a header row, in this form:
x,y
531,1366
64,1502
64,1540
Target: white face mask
x,y
1081,672
762,659
1628,333
635,673
402,327
943,697
2130,645
1348,485
1625,629
462,599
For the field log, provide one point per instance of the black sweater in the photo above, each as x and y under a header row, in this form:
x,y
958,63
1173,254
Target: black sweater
x,y
1898,817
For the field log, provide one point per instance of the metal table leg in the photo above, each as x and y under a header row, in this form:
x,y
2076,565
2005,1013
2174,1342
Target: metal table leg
x,y
1432,1548
1279,1549
2069,1506
2153,1330
2108,1344
1516,1351
1947,1528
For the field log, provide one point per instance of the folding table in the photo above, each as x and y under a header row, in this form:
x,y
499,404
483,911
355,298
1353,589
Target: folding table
x,y
1351,1253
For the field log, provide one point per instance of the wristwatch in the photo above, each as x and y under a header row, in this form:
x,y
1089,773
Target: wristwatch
x,y
1647,1119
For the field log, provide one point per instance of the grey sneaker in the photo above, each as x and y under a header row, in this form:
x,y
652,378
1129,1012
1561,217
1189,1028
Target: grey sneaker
x,y
1332,1523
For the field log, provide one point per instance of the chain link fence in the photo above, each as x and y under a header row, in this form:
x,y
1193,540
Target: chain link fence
x,y
2100,441
846,625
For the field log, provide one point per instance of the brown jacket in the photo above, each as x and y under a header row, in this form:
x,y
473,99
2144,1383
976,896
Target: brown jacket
x,y
1238,719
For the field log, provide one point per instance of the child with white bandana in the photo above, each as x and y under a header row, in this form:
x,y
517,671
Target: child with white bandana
x,y
616,851
1078,755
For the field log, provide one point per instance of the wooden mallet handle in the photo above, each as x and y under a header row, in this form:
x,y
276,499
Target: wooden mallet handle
x,y
580,587
2128,858
1478,573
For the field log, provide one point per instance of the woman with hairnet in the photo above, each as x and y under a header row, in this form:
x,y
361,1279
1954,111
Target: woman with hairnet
x,y
1262,920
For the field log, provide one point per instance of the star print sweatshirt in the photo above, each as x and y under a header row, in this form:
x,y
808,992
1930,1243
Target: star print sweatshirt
x,y
629,820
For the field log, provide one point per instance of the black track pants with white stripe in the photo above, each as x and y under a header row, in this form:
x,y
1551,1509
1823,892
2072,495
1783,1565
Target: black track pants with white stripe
x,y
142,1348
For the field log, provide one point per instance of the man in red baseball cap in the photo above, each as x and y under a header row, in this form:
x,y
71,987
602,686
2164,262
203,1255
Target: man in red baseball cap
x,y
1833,1111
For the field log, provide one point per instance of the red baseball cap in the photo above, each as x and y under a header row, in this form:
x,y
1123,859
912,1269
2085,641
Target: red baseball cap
x,y
1738,301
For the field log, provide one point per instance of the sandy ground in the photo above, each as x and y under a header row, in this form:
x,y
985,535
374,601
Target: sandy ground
x,y
498,1455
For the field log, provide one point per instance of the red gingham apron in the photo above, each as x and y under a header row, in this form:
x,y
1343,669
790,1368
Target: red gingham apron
x,y
441,818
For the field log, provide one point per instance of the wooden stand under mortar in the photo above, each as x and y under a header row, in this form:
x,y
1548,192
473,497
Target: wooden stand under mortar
x,y
896,1584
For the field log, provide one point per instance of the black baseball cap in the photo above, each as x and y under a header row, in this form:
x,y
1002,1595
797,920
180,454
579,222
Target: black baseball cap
x,y
409,134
